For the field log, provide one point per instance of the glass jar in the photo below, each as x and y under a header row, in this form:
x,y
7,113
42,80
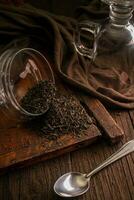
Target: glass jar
x,y
20,70
110,47
112,39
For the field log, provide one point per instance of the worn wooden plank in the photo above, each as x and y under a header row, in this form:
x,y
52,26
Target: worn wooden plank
x,y
20,147
23,147
112,131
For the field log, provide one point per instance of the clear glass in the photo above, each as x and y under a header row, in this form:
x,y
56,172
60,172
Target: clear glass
x,y
20,70
113,41
119,2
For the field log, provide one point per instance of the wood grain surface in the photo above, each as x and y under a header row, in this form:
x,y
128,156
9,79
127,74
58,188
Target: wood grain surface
x,y
111,130
36,181
114,183
21,147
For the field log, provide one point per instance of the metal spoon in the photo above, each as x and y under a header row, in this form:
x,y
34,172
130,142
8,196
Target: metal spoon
x,y
74,184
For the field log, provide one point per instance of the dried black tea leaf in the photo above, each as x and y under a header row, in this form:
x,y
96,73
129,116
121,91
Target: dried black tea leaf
x,y
65,115
38,99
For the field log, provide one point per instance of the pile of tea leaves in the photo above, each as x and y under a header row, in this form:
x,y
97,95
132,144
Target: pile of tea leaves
x,y
38,98
65,115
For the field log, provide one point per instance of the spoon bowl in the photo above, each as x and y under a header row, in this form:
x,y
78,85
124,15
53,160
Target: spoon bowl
x,y
71,184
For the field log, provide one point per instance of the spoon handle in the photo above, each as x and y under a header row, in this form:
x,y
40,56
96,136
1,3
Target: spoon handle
x,y
124,150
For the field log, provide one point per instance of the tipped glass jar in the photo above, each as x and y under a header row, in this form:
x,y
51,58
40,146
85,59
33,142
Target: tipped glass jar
x,y
20,70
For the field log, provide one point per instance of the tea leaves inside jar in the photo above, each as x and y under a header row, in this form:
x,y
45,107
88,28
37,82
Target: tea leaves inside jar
x,y
38,99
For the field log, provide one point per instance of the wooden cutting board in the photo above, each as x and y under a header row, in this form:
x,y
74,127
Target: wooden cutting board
x,y
21,147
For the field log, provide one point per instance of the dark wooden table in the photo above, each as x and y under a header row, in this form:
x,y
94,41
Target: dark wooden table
x,y
114,183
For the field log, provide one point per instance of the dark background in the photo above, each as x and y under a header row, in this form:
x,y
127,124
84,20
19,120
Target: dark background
x,y
60,7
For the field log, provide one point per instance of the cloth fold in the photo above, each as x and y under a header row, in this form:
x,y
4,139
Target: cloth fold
x,y
55,35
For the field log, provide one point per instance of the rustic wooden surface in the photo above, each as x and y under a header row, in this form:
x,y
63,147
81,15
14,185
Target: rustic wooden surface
x,y
36,182
114,183
21,147
111,130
